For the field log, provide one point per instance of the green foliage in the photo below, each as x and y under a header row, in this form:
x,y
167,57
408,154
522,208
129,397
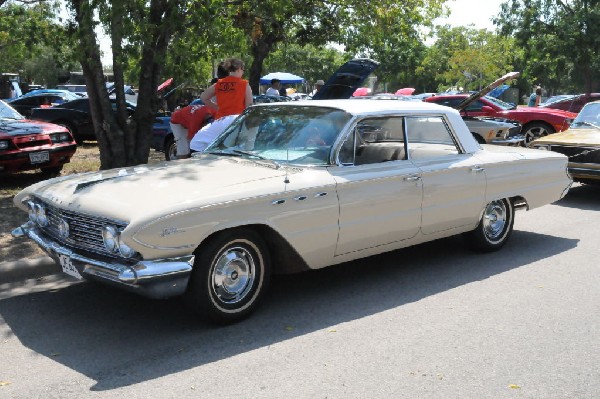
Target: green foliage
x,y
33,43
561,41
468,57
310,62
390,32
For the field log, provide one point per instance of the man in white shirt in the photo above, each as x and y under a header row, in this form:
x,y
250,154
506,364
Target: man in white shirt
x,y
319,83
274,89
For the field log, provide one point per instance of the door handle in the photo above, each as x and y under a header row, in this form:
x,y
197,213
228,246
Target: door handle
x,y
412,178
477,169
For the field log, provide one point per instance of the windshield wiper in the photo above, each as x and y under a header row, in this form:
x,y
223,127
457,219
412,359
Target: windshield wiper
x,y
250,154
588,124
238,153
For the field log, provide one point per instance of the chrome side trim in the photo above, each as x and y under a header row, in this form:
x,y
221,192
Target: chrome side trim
x,y
158,278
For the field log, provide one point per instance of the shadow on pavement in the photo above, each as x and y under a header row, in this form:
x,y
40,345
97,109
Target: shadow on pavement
x,y
119,339
584,196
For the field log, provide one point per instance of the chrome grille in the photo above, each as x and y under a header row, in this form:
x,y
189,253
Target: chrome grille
x,y
578,154
85,231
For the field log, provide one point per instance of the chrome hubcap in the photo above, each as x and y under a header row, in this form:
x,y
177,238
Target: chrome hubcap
x,y
533,134
494,219
233,275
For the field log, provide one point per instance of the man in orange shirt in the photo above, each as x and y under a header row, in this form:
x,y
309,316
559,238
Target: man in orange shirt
x,y
185,122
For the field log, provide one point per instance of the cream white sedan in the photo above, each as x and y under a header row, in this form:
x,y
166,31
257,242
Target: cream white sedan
x,y
288,187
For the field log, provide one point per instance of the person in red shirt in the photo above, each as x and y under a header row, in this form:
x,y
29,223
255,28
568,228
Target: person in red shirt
x,y
185,122
229,96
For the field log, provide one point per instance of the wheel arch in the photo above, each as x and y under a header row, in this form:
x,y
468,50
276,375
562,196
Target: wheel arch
x,y
537,122
284,258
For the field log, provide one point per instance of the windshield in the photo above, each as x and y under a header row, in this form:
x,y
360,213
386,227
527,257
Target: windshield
x,y
500,103
588,116
300,135
8,112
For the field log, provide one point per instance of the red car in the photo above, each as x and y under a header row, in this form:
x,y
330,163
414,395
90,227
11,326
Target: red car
x,y
27,145
536,121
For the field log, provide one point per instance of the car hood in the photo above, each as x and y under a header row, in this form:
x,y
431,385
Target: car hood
x,y
539,110
475,96
580,137
150,191
346,79
23,127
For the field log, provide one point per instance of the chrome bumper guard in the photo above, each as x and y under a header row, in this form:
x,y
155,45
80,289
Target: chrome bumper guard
x,y
159,278
514,140
582,172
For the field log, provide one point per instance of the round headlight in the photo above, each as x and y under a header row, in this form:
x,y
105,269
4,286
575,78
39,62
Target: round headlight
x,y
65,137
40,215
110,236
31,210
125,250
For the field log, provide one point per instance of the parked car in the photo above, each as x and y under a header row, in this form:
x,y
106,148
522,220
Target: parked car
x,y
489,130
30,145
573,103
536,121
74,115
162,136
41,98
289,186
80,90
551,99
581,143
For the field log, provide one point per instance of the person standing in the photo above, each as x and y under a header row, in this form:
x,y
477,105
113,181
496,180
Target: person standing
x,y
274,89
232,95
319,83
185,122
536,98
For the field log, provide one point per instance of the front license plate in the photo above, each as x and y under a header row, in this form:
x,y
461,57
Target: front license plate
x,y
39,157
68,267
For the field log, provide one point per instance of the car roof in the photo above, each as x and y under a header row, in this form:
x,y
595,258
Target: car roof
x,y
368,106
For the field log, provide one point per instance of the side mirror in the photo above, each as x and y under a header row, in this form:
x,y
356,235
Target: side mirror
x,y
487,108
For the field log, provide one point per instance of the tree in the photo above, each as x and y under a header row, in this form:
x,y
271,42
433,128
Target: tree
x,y
125,140
310,62
391,32
34,44
561,40
468,57
393,26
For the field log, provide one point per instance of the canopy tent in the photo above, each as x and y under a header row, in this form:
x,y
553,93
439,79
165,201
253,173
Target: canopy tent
x,y
285,77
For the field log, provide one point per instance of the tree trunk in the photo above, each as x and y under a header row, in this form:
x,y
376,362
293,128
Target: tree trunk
x,y
108,133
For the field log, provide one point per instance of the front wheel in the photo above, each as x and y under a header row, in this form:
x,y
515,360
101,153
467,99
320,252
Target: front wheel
x,y
494,228
231,272
170,149
535,131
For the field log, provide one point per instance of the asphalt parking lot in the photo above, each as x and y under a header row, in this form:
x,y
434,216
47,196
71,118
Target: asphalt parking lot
x,y
431,321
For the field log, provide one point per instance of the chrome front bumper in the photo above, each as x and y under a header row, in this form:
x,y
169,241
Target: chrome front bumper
x,y
159,278
514,140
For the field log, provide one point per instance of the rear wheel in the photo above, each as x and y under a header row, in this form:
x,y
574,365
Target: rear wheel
x,y
231,272
170,149
536,130
494,228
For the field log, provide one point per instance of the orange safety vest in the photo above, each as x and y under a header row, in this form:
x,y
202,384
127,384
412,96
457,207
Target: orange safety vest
x,y
231,96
